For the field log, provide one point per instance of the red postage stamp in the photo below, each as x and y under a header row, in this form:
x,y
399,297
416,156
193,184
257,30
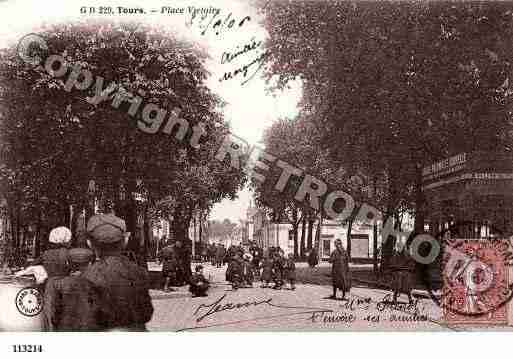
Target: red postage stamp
x,y
475,282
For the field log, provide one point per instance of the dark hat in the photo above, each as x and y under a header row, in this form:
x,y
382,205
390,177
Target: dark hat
x,y
106,228
80,255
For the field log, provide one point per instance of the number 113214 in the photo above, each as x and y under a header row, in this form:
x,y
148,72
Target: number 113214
x,y
22,348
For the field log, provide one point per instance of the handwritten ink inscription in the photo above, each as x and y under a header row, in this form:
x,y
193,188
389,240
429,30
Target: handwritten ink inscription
x,y
254,65
353,310
217,307
210,20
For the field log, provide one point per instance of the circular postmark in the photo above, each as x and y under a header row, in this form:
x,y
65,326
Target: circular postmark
x,y
29,301
32,48
471,276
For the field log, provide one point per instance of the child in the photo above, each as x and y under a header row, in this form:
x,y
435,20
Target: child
x,y
247,271
267,271
169,267
278,269
72,303
199,284
234,272
289,271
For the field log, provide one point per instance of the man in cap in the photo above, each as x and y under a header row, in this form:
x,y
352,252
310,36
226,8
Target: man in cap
x,y
124,284
340,275
73,303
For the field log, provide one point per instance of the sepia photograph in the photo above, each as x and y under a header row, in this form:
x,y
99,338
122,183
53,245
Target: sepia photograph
x,y
255,166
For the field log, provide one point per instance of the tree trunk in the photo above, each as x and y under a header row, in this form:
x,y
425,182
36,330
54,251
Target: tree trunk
x,y
295,226
179,225
419,202
375,235
375,248
302,249
146,239
294,238
37,240
349,229
201,228
318,234
309,238
73,223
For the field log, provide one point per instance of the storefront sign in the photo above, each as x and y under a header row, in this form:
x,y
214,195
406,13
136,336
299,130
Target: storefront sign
x,y
445,167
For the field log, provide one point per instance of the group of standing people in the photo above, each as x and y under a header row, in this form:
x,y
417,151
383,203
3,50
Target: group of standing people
x,y
272,268
95,288
268,266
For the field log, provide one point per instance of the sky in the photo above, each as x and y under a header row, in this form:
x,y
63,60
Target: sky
x,y
249,108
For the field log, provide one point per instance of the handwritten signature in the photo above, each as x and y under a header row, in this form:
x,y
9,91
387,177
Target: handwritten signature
x,y
218,307
387,304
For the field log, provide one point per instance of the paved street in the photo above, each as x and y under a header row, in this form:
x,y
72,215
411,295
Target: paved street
x,y
303,309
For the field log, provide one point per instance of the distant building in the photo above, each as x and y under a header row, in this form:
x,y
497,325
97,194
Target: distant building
x,y
270,234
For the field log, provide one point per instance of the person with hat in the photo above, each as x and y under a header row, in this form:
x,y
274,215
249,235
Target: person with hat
x,y
220,254
313,258
170,266
278,264
267,270
73,303
234,272
340,274
257,254
124,284
199,284
247,270
289,271
54,261
402,267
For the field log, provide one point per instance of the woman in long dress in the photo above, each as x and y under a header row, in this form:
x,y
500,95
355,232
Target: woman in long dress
x,y
403,269
340,275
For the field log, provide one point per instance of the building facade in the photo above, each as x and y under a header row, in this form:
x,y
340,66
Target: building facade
x,y
472,189
272,234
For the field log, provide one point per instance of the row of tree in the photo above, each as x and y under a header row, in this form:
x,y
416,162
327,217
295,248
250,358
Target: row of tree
x,y
388,88
59,150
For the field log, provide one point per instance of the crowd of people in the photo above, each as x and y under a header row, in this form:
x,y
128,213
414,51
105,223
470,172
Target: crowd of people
x,y
269,266
275,270
244,267
96,287
93,287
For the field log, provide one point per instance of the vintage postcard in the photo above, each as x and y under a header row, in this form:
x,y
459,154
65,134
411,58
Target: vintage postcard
x,y
255,165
